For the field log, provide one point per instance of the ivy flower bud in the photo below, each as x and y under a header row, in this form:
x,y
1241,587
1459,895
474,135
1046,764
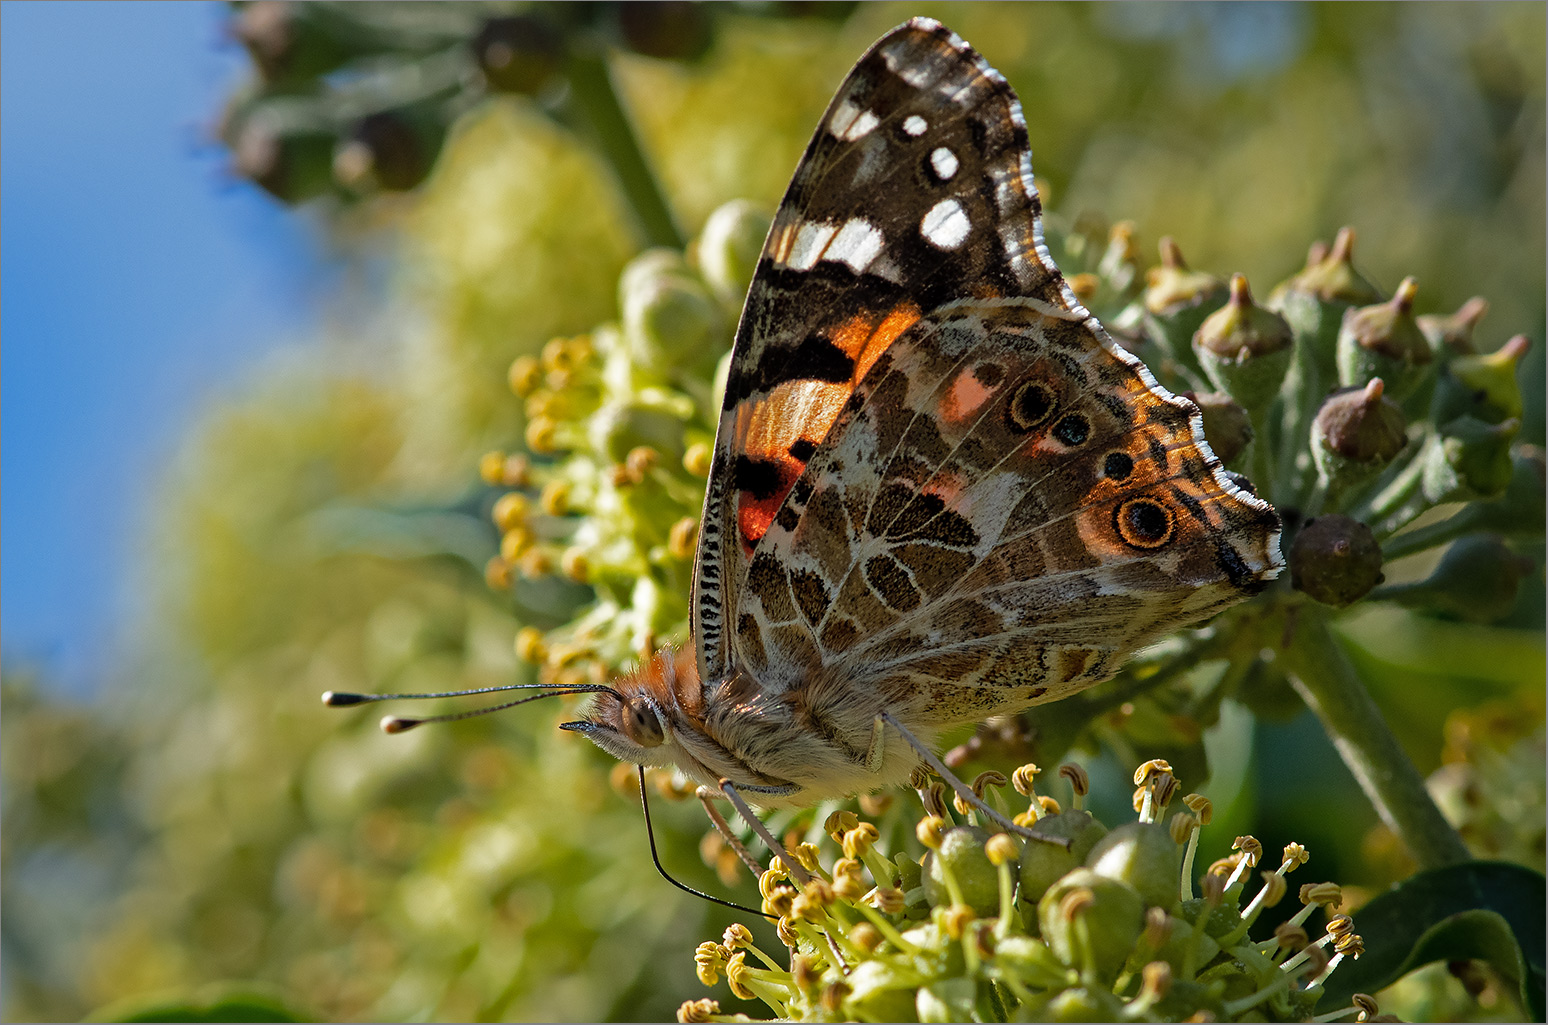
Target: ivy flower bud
x,y
669,317
729,247
1477,581
1143,855
1484,387
1467,459
1356,432
1383,340
1091,921
961,855
517,53
1335,560
1227,427
1451,334
1044,863
1176,301
1244,349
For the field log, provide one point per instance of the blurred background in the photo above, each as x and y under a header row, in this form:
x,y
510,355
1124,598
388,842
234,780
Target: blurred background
x,y
244,402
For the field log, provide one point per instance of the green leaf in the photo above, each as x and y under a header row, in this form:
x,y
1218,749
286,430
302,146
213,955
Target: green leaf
x,y
1484,910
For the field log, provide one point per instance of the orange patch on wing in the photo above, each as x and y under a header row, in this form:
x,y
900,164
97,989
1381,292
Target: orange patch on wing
x,y
966,397
863,339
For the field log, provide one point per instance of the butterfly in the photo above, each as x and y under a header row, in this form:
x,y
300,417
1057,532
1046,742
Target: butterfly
x,y
940,491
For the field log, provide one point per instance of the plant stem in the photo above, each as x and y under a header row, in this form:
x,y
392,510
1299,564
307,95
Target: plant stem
x,y
596,103
1327,681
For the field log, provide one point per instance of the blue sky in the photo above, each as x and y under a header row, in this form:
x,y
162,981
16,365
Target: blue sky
x,y
136,279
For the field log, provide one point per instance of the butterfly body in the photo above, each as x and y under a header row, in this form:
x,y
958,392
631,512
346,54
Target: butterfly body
x,y
940,490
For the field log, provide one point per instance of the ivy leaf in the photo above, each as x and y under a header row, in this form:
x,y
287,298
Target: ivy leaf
x,y
1485,910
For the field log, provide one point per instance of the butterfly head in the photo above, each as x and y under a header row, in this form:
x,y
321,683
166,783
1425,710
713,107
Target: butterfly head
x,y
643,718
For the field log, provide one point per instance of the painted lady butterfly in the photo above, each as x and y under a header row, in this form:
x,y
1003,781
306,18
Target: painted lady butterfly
x,y
940,491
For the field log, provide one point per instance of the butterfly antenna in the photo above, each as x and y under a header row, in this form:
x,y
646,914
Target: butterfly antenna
x,y
400,723
650,832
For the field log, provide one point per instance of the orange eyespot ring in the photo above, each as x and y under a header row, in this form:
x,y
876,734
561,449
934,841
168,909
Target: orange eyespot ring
x,y
1143,523
640,723
1031,404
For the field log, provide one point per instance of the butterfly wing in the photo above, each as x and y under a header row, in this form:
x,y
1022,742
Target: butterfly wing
x,y
915,191
938,480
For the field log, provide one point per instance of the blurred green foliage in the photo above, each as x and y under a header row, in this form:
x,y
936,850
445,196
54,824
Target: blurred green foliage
x,y
205,820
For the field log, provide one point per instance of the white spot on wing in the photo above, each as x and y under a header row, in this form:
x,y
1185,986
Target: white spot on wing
x,y
944,161
810,241
946,226
915,125
857,244
849,122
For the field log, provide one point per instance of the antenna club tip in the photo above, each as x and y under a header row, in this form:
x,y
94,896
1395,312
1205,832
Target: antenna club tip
x,y
341,699
398,723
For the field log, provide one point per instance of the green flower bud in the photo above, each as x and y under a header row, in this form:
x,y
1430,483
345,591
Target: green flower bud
x,y
881,991
1175,948
1097,932
1477,581
1144,855
1082,1004
1523,507
1329,278
670,320
729,247
946,1000
518,53
293,43
284,148
1176,301
1467,459
1244,348
616,429
1356,432
1227,427
1383,340
391,149
1042,864
1335,560
962,854
1451,334
1027,953
1484,387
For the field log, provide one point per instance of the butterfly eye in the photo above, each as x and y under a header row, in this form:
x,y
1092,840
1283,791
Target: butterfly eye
x,y
1143,523
1031,405
641,725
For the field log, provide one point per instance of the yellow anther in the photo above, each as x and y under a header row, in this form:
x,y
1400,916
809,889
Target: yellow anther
x,y
1294,857
865,936
1001,849
1148,769
839,823
542,434
859,840
695,1012
555,499
1290,936
930,830
697,459
1181,826
525,376
737,936
1251,849
530,647
1275,888
683,537
955,919
984,780
1080,782
497,574
890,900
1327,894
1200,806
1050,805
736,975
1024,779
510,510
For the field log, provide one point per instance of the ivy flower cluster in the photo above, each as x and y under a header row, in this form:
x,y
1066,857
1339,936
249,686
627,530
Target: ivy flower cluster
x,y
1089,923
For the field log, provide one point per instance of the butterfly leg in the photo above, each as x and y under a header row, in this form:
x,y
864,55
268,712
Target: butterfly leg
x,y
706,798
792,866
873,755
963,790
